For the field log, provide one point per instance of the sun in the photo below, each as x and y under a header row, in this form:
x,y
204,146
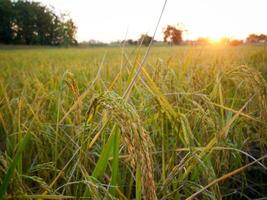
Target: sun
x,y
215,40
219,40
216,37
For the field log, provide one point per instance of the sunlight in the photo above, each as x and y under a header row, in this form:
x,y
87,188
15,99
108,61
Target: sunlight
x,y
207,18
123,99
215,40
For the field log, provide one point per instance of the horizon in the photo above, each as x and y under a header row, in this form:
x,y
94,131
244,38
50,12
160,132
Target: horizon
x,y
119,20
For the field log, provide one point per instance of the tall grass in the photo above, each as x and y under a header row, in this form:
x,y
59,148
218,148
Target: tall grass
x,y
193,126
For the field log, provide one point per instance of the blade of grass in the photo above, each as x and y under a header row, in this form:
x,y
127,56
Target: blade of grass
x,y
222,134
22,146
40,196
115,162
104,156
83,95
102,162
129,88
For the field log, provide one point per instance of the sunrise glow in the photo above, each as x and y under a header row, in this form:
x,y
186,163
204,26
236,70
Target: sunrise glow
x,y
133,99
110,20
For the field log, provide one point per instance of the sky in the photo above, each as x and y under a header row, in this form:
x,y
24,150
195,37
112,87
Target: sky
x,y
111,20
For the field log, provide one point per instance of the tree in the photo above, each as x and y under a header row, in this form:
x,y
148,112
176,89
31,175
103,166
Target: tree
x,y
262,38
236,42
254,38
27,22
44,25
6,17
69,29
173,35
145,39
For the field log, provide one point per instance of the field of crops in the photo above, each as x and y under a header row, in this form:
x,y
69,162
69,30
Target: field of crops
x,y
75,123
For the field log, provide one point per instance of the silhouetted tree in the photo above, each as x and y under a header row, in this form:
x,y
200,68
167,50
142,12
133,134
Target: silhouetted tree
x,y
236,42
145,39
6,18
262,37
173,35
253,38
25,22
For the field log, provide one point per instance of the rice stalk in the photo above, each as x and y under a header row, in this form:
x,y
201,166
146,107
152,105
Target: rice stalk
x,y
133,136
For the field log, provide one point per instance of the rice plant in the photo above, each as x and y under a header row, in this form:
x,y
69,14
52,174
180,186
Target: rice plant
x,y
193,125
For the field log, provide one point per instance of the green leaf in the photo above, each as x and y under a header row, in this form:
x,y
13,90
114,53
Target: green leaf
x,y
102,162
115,162
22,146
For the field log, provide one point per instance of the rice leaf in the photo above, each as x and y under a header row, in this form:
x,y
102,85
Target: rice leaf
x,y
22,146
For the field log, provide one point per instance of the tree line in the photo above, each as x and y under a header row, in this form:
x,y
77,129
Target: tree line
x,y
174,36
31,23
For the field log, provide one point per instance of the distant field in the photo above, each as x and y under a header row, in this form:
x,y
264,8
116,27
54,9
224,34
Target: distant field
x,y
195,114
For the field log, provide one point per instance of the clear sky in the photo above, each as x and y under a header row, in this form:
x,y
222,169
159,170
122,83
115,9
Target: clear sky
x,y
109,20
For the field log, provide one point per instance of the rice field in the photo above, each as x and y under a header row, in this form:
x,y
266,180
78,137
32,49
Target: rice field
x,y
76,124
